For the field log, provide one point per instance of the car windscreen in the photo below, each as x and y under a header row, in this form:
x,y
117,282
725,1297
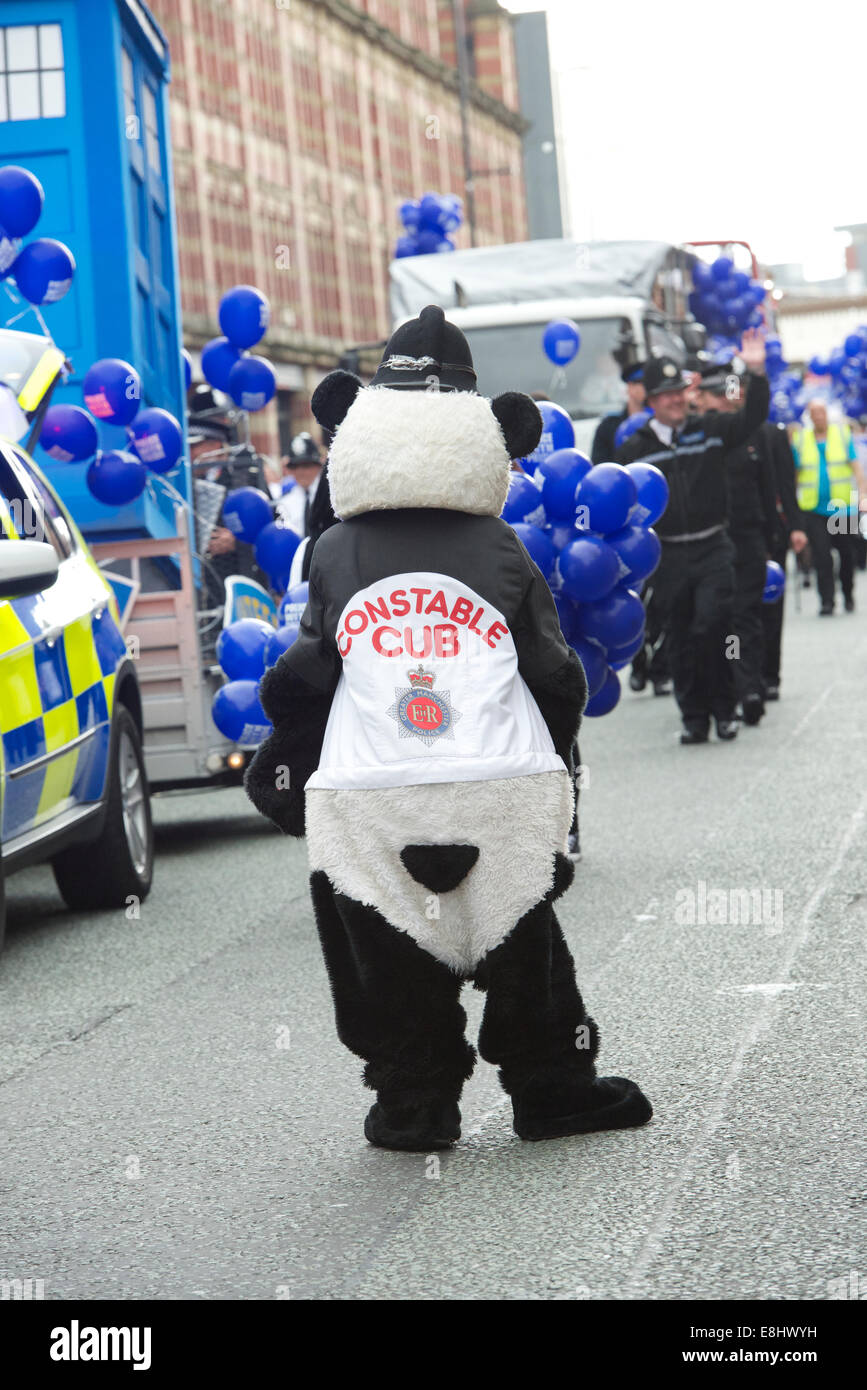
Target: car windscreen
x,y
509,357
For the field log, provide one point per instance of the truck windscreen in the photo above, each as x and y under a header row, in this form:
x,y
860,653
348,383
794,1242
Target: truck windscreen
x,y
509,357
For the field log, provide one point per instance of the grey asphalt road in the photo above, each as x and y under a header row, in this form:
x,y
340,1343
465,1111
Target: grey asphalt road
x,y
179,1120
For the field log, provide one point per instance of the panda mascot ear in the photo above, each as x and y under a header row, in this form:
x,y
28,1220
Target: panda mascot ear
x,y
520,420
333,397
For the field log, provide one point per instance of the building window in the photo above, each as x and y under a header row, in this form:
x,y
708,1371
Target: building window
x,y
32,82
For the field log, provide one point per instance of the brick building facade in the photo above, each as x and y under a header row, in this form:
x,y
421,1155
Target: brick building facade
x,y
298,126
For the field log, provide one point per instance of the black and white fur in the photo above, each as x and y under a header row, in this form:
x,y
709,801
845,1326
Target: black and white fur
x,y
418,889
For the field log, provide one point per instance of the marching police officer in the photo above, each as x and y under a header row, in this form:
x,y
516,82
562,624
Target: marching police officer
x,y
694,583
753,525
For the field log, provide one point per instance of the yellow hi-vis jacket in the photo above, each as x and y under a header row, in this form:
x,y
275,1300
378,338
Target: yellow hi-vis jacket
x,y
840,475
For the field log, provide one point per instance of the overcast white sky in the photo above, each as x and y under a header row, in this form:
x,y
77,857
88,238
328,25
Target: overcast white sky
x,y
754,110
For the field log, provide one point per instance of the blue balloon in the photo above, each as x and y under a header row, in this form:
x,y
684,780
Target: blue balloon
x,y
620,656
639,549
43,271
605,497
252,383
244,315
630,425
559,475
246,511
853,345
523,498
614,620
112,390
651,488
157,439
561,341
702,277
592,658
539,546
428,240
589,569
187,365
241,648
280,642
293,604
558,432
604,700
410,213
727,289
836,362
116,478
722,268
568,616
69,434
21,199
275,546
218,359
405,246
775,582
238,714
430,212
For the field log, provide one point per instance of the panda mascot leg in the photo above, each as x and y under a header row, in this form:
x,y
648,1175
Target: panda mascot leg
x,y
429,705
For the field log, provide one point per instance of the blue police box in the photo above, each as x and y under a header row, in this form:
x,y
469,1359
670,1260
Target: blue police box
x,y
84,105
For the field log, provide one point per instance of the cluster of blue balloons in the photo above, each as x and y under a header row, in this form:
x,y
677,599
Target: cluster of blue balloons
x,y
249,515
245,650
846,368
250,380
787,397
427,223
43,269
725,300
589,531
112,392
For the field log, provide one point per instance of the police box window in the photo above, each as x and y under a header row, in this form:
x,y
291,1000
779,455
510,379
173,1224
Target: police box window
x,y
32,82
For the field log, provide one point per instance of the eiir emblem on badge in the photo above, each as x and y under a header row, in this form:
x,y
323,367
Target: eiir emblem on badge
x,y
421,713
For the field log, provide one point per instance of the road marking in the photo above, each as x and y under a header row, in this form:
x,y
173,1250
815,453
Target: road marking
x,y
764,1019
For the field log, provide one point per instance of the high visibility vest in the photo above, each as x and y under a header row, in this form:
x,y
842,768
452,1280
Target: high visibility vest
x,y
840,474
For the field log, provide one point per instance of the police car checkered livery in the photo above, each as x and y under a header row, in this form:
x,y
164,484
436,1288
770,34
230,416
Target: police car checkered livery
x,y
72,781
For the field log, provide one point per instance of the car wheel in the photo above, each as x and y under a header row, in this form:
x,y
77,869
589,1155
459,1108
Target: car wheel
x,y
108,871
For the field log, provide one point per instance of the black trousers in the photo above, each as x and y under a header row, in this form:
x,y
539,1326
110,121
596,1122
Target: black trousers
x,y
747,624
772,623
694,586
822,545
398,1008
652,659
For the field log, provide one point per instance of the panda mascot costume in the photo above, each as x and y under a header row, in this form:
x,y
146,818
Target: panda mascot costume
x,y
423,721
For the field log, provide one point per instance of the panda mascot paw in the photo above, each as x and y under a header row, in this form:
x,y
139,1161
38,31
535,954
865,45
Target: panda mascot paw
x,y
424,728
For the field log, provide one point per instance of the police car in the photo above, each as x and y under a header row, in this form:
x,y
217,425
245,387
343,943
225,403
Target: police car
x,y
73,789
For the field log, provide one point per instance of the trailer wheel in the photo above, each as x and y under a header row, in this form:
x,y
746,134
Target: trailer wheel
x,y
119,864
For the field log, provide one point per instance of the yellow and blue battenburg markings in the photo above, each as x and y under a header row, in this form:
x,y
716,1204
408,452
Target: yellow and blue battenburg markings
x,y
53,691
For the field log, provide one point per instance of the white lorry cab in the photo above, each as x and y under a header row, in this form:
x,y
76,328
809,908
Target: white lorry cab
x,y
627,298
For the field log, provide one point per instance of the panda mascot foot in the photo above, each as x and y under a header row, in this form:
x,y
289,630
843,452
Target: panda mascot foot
x,y
413,1122
606,1102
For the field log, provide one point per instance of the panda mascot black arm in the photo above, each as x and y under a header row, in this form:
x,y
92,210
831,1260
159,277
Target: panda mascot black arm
x,y
423,729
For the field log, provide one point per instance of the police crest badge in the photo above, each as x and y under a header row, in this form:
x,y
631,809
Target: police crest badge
x,y
422,713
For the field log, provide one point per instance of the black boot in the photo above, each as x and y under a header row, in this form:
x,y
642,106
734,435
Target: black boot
x,y
553,1105
413,1121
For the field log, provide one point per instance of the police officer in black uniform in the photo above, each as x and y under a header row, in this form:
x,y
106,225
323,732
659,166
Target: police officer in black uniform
x,y
753,528
603,449
694,583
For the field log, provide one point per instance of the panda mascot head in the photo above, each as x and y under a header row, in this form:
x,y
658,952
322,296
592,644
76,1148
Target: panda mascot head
x,y
420,435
